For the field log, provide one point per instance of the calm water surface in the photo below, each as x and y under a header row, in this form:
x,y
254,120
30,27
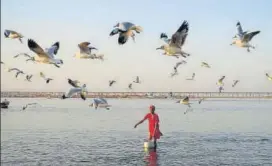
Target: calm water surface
x,y
68,132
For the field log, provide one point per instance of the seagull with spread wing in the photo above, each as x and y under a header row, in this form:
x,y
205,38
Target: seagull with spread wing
x,y
200,100
173,47
47,55
28,78
24,107
47,80
25,55
85,51
13,35
185,101
175,72
242,39
100,102
204,64
18,71
268,76
220,81
235,82
125,30
74,91
111,82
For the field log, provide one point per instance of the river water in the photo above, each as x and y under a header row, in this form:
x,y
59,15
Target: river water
x,y
69,132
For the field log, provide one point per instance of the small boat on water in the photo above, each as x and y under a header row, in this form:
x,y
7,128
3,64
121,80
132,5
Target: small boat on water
x,y
4,104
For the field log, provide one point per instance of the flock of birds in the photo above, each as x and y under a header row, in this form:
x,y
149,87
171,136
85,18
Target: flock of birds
x,y
125,30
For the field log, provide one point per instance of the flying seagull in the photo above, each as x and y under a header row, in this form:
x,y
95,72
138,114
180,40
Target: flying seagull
x,y
100,102
47,80
111,82
200,100
25,55
28,78
137,81
243,38
73,91
185,101
13,35
204,64
268,77
18,71
173,47
235,82
220,81
85,50
24,107
125,30
46,56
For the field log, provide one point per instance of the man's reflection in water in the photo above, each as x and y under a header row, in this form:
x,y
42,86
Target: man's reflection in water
x,y
151,157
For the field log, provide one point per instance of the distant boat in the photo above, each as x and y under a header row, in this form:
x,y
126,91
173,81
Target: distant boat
x,y
4,104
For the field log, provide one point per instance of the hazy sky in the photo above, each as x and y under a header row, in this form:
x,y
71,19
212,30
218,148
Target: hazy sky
x,y
212,26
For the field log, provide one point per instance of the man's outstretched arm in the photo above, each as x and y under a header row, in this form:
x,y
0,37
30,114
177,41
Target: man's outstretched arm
x,y
141,121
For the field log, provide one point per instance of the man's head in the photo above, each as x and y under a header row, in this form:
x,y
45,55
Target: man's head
x,y
152,109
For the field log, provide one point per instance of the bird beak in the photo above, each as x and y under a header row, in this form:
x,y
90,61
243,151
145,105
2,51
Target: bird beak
x,y
158,48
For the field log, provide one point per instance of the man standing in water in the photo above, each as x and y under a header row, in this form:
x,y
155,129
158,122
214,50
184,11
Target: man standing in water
x,y
154,130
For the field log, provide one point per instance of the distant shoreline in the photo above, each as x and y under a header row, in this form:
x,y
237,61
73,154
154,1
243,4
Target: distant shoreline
x,y
143,95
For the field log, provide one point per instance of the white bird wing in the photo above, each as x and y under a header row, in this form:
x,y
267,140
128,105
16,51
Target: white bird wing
x,y
53,50
239,29
247,37
179,37
103,101
96,101
125,26
73,91
11,32
33,46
